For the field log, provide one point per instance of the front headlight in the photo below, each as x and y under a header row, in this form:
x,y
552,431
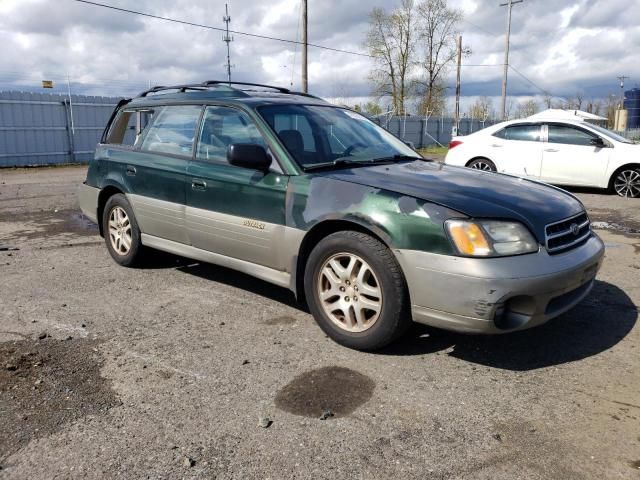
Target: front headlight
x,y
490,238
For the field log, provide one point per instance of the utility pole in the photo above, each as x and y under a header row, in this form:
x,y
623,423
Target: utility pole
x,y
227,39
622,78
457,117
509,4
305,84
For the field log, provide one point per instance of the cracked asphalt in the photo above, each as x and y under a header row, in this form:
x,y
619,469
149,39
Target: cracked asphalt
x,y
187,370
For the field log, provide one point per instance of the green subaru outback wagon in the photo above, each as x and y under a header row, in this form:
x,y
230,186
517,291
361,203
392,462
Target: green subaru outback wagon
x,y
320,200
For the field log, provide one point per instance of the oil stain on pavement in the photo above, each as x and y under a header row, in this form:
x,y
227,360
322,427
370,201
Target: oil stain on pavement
x,y
336,389
46,223
46,384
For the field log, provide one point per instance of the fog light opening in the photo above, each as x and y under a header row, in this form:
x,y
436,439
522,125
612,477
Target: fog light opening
x,y
514,313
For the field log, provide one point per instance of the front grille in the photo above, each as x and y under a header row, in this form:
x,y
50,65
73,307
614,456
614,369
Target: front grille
x,y
567,233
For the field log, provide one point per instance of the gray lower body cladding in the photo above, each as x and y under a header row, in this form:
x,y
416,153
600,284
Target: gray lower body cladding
x,y
88,200
496,295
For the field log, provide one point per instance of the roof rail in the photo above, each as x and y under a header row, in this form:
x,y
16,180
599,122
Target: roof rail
x,y
210,84
225,82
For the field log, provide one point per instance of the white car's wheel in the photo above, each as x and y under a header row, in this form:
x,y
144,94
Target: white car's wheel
x,y
626,182
482,164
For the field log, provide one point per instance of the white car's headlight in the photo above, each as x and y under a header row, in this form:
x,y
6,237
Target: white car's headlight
x,y
490,238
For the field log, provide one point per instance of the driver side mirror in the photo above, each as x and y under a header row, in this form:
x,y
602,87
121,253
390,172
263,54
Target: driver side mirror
x,y
597,142
245,155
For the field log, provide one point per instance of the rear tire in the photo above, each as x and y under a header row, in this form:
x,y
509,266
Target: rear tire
x,y
483,164
121,232
356,291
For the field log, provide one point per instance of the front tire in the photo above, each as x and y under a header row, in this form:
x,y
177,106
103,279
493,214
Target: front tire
x,y
356,291
121,232
483,164
626,182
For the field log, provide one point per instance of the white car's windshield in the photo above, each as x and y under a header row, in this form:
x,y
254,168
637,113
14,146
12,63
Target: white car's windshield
x,y
610,134
323,136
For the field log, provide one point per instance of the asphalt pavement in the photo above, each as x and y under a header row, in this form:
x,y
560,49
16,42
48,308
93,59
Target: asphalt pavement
x,y
187,370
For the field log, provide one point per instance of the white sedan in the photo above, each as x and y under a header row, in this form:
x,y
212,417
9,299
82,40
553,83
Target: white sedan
x,y
562,152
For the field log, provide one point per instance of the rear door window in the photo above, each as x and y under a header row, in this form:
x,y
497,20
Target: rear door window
x,y
528,133
172,130
569,135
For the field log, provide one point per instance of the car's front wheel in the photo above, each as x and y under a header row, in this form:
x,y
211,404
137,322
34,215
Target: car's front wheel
x,y
626,182
121,232
356,291
482,164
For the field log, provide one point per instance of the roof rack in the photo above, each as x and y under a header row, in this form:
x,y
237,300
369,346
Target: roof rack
x,y
209,84
224,82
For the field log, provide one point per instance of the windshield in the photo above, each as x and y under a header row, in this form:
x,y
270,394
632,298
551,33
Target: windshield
x,y
610,134
319,136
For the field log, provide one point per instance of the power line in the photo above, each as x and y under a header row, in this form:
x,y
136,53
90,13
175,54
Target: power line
x,y
209,27
531,82
478,27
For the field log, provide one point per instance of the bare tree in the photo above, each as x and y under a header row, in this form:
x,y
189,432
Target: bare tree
x,y
611,105
437,24
508,109
594,106
527,108
391,40
481,108
575,102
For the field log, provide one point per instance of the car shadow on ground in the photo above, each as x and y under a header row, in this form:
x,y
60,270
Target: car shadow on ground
x,y
595,325
158,260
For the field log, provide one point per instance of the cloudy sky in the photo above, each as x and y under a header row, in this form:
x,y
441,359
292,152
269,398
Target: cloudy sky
x,y
563,47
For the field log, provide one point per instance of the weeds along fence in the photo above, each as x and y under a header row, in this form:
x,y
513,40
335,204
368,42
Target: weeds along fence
x,y
50,129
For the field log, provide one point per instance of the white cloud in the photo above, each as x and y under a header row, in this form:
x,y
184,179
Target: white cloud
x,y
581,46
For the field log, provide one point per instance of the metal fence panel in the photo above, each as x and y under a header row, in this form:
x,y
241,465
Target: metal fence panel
x,y
424,132
35,128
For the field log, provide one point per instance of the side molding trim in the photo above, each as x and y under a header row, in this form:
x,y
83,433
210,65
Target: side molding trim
x,y
282,279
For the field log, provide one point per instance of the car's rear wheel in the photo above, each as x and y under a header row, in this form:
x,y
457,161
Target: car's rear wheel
x,y
356,291
121,232
482,164
626,182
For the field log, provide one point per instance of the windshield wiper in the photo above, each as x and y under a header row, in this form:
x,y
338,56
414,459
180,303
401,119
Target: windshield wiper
x,y
396,158
341,162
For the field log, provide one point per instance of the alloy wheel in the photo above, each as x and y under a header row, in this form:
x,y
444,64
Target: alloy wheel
x,y
480,165
627,183
349,292
120,230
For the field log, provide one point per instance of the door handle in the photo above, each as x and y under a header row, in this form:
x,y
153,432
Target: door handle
x,y
131,170
550,150
496,145
198,184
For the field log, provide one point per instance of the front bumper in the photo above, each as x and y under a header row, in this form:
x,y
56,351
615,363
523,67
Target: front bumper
x,y
496,295
88,200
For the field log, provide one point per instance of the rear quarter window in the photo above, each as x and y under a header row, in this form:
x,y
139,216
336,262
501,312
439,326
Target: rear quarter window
x,y
527,133
129,127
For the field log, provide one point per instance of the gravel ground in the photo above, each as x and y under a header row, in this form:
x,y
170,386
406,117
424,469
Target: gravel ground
x,y
187,370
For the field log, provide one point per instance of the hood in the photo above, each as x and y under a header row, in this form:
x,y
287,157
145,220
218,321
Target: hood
x,y
472,192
